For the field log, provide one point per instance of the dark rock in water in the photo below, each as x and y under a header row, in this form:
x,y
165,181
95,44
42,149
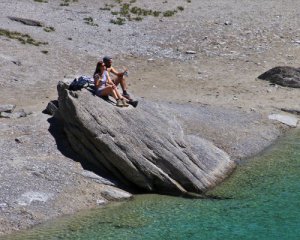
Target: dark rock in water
x,y
25,21
284,76
145,147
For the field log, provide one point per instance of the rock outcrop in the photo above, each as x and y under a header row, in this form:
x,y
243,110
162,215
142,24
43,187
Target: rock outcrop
x,y
144,147
284,76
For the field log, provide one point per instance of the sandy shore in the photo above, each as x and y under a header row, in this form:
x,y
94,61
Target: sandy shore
x,y
233,42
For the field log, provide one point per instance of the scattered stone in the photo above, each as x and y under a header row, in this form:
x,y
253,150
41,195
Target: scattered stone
x,y
5,115
190,52
3,205
97,178
8,108
14,115
18,63
227,23
292,111
51,108
29,197
288,120
284,76
150,60
29,22
114,194
101,201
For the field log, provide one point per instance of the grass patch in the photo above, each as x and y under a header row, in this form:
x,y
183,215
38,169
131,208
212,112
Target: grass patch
x,y
133,13
90,21
22,38
67,2
41,1
118,21
49,29
169,13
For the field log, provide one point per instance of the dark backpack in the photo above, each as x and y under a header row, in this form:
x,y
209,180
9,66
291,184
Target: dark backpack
x,y
81,82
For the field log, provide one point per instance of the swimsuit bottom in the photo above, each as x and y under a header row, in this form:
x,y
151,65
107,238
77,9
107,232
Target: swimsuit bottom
x,y
99,90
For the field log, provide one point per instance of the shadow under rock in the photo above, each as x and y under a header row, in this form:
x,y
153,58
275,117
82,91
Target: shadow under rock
x,y
56,129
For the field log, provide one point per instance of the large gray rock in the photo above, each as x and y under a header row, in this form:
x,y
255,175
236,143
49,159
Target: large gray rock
x,y
284,76
145,147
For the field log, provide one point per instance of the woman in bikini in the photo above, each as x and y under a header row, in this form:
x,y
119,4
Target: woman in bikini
x,y
105,87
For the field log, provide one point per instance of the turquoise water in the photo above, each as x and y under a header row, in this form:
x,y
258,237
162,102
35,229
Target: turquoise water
x,y
261,201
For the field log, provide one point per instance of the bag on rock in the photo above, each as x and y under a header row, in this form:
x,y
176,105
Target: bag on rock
x,y
81,82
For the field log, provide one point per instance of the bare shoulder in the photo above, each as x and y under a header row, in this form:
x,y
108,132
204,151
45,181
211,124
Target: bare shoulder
x,y
112,70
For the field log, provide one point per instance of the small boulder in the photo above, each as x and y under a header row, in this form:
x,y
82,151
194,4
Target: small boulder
x,y
14,115
284,76
8,108
26,21
288,120
115,194
51,108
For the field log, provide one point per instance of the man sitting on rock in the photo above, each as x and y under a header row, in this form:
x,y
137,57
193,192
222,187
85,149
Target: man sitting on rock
x,y
119,79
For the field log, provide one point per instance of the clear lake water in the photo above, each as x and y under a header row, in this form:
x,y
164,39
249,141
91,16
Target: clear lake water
x,y
261,200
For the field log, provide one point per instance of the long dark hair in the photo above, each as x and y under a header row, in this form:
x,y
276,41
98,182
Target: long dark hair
x,y
98,68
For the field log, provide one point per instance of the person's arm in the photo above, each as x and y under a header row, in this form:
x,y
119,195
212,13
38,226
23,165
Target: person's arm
x,y
109,81
119,74
97,82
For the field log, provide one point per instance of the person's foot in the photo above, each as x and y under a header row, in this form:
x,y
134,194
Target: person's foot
x,y
119,103
126,95
125,104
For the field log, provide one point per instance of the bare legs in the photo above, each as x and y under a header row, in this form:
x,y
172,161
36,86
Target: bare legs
x,y
111,90
121,80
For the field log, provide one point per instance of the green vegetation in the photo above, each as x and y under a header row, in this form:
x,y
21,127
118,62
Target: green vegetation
x,y
134,13
169,13
49,29
90,21
41,1
118,21
22,38
67,2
